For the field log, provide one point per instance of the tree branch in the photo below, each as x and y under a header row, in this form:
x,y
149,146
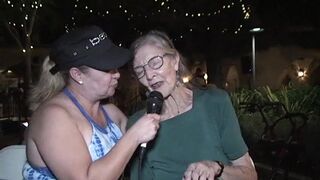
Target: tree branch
x,y
33,17
14,34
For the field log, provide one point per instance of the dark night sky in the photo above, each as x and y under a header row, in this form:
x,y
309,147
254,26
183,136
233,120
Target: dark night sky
x,y
286,22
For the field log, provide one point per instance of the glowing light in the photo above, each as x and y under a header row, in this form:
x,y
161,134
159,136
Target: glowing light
x,y
185,79
257,29
205,76
247,16
25,124
301,73
169,6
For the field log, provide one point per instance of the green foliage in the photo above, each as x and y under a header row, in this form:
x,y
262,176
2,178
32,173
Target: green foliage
x,y
302,99
296,99
305,100
243,96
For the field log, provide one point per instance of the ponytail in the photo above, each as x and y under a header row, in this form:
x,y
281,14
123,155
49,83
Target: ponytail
x,y
47,86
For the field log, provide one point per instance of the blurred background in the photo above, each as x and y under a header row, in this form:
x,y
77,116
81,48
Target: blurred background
x,y
265,53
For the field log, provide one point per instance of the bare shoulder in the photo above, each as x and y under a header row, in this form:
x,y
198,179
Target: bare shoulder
x,y
50,116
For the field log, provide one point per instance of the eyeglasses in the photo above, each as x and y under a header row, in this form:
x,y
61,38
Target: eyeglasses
x,y
154,63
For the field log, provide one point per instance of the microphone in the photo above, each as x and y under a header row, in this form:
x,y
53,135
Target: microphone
x,y
154,105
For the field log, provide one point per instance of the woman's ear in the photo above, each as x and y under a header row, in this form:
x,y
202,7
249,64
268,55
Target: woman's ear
x,y
76,74
177,61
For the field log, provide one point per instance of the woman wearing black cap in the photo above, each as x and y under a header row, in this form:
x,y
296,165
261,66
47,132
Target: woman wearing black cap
x,y
71,134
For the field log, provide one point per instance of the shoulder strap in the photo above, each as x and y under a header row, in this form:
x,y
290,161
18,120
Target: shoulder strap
x,y
68,93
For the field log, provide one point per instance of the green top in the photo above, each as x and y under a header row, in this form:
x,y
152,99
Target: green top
x,y
209,131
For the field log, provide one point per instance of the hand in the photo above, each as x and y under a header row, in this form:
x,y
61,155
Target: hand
x,y
146,127
203,170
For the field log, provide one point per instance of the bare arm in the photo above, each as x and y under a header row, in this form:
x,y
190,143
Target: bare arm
x,y
64,150
240,169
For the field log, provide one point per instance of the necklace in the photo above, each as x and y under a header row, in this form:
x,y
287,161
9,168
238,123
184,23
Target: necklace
x,y
175,102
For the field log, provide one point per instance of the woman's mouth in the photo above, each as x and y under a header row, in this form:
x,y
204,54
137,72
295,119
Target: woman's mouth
x,y
156,85
115,85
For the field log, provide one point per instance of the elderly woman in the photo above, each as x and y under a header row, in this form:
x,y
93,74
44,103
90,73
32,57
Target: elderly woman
x,y
72,135
199,137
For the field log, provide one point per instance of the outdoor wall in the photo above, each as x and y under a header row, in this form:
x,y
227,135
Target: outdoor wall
x,y
276,66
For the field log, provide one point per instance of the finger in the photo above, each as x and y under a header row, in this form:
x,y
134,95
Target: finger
x,y
203,177
187,175
210,177
154,116
195,175
191,167
186,178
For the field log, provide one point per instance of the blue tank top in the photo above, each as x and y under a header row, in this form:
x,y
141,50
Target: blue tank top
x,y
102,140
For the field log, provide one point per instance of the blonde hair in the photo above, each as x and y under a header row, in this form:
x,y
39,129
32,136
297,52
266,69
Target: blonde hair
x,y
47,86
161,40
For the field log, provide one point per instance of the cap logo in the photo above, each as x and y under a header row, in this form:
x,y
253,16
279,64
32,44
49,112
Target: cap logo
x,y
96,40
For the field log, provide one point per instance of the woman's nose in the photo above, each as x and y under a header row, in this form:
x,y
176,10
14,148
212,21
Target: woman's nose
x,y
149,73
115,73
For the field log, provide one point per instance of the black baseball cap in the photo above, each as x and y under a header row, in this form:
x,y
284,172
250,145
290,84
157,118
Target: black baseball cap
x,y
87,46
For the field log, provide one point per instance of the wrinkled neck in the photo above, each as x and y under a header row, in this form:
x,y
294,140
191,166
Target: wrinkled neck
x,y
178,102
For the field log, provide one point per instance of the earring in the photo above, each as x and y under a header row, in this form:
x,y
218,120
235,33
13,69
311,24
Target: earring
x,y
80,82
178,83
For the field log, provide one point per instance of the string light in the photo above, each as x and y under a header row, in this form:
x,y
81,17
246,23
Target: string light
x,y
199,19
245,9
19,17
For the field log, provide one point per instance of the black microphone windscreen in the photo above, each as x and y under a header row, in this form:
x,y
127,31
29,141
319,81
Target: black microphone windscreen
x,y
154,102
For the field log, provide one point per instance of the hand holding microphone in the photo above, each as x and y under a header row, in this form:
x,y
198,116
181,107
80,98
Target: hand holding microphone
x,y
147,126
154,106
